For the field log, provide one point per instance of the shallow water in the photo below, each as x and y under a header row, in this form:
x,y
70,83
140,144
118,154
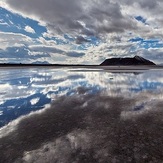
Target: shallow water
x,y
81,115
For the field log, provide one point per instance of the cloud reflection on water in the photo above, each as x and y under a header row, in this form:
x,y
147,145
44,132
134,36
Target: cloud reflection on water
x,y
94,116
88,127
20,87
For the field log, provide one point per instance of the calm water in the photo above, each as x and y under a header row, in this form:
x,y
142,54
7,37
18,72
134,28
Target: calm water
x,y
80,115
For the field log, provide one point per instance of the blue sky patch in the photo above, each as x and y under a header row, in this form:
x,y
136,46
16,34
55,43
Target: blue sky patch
x,y
141,19
15,23
146,44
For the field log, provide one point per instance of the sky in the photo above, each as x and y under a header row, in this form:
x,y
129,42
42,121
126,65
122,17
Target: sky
x,y
80,31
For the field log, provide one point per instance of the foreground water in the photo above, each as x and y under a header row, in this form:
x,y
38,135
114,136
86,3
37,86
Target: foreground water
x,y
81,115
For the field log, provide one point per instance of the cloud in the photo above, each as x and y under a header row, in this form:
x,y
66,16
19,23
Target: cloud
x,y
15,47
29,29
75,54
53,50
75,16
3,23
113,22
89,18
8,39
20,53
80,40
45,49
154,54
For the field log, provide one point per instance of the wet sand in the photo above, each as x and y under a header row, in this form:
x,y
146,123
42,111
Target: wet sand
x,y
86,128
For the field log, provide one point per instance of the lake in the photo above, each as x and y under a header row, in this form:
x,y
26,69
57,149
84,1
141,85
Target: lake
x,y
81,115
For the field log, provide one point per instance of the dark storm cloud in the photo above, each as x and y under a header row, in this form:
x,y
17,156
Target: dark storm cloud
x,y
87,128
75,54
80,40
47,49
148,4
108,18
57,14
76,17
51,49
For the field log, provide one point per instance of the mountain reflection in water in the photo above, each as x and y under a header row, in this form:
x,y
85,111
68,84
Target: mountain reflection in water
x,y
55,115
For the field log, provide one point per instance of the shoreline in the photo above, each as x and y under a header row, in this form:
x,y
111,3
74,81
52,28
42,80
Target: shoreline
x,y
128,67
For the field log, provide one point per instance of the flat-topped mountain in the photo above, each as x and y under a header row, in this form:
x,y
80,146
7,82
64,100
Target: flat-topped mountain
x,y
137,60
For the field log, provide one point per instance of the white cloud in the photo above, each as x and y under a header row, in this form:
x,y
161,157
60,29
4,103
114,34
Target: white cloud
x,y
34,101
29,29
155,54
4,24
9,39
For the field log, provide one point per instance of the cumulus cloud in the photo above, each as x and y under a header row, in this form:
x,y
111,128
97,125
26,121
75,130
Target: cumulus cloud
x,y
15,47
75,16
9,39
29,29
154,54
88,18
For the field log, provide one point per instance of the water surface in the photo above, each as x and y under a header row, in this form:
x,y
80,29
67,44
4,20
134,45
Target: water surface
x,y
81,115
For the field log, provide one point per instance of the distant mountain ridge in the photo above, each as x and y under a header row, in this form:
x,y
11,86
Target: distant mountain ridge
x,y
40,62
137,60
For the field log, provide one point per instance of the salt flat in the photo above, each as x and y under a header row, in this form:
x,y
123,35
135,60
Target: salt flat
x,y
86,114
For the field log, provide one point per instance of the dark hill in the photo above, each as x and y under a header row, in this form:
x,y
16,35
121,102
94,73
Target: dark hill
x,y
137,60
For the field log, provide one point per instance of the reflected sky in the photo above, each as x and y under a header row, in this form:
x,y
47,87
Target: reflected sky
x,y
80,115
25,90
